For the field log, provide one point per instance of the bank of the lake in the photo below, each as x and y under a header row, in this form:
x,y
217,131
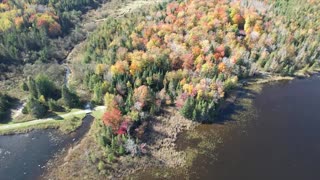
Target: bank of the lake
x,y
270,132
57,121
175,145
279,142
24,156
165,151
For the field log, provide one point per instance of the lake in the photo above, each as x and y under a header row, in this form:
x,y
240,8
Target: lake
x,y
273,133
280,141
24,156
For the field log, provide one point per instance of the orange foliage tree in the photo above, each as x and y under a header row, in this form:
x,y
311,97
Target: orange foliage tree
x,y
112,118
142,95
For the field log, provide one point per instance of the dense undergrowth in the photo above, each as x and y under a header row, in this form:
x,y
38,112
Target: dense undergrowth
x,y
188,54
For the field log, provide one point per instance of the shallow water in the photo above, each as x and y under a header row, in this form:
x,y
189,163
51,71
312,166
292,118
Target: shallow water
x,y
281,141
23,156
270,132
273,134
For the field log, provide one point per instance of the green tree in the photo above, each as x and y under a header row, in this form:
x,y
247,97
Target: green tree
x,y
45,87
187,109
4,105
98,94
32,87
35,108
69,98
54,106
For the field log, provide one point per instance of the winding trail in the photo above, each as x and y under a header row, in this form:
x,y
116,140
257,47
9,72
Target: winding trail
x,y
91,20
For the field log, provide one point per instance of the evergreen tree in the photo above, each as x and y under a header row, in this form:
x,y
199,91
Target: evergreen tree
x,y
98,94
35,108
187,108
45,87
69,98
32,87
4,105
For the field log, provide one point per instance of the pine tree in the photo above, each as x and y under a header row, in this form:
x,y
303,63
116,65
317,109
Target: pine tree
x,y
70,99
32,87
121,150
35,108
187,108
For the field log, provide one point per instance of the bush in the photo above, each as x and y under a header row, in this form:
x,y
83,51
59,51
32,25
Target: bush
x,y
110,158
46,87
101,165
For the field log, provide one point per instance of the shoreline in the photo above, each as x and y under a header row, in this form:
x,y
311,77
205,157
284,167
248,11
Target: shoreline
x,y
47,123
106,10
161,134
160,137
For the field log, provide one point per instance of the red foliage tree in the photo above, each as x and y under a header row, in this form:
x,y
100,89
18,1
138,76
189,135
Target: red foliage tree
x,y
112,118
123,128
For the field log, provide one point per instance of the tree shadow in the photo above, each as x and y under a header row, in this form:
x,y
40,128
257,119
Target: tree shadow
x,y
7,116
231,106
55,116
151,135
227,109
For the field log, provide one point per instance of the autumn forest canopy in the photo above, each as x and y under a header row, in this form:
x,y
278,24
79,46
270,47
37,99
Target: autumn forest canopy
x,y
185,54
188,54
29,26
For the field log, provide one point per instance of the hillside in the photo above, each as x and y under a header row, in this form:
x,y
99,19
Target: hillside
x,y
187,55
144,61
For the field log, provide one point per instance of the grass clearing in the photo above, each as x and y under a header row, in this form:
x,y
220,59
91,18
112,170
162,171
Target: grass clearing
x,y
66,122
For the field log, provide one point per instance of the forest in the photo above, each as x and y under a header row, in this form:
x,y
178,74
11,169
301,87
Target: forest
x,y
27,28
186,54
189,54
35,38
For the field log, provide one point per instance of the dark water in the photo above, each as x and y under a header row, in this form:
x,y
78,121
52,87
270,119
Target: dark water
x,y
282,141
23,156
